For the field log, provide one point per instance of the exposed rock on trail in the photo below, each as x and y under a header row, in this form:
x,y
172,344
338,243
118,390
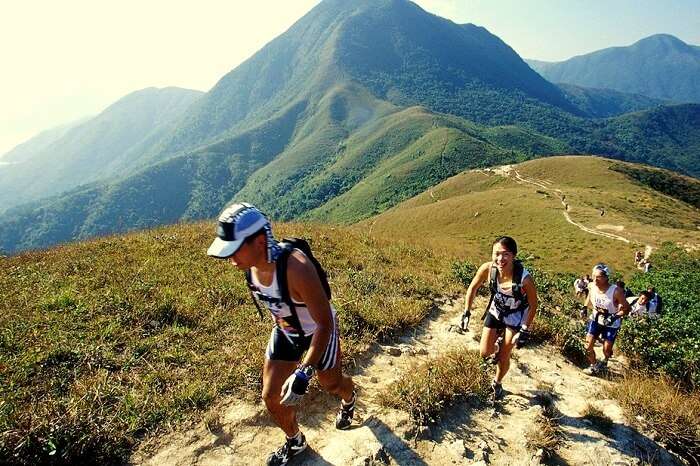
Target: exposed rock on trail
x,y
469,433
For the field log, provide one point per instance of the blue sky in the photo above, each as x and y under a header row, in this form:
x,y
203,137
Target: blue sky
x,y
66,60
555,30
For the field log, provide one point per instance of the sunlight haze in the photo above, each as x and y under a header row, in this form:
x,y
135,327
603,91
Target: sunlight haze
x,y
63,61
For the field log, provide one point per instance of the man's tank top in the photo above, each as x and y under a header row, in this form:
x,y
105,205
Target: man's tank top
x,y
282,315
604,305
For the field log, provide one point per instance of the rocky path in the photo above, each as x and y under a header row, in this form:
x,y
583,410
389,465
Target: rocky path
x,y
470,433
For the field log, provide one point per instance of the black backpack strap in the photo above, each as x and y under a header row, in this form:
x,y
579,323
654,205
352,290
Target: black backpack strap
x,y
517,283
493,287
252,288
281,264
285,295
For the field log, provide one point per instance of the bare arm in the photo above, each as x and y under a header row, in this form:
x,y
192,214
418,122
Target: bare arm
x,y
480,277
588,302
305,286
622,304
531,292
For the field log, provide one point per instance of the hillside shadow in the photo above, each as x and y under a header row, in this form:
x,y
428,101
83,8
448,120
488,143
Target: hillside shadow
x,y
620,437
309,457
397,448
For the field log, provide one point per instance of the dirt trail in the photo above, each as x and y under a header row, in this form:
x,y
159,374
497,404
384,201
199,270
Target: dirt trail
x,y
246,434
509,171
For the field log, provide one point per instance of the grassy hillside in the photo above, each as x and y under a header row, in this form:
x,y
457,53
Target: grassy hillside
x,y
106,341
463,214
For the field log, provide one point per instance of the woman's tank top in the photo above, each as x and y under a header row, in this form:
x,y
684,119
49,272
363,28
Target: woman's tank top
x,y
505,306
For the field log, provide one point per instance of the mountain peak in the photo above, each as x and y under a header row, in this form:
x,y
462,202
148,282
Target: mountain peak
x,y
660,66
664,42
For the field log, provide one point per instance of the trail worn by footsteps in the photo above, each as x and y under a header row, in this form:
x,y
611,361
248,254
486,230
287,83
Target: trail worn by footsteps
x,y
470,433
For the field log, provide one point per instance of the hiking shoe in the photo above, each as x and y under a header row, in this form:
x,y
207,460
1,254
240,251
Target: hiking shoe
x,y
344,418
289,450
601,366
592,369
497,389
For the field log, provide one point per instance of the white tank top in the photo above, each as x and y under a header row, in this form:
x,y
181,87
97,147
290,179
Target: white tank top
x,y
604,305
503,302
271,297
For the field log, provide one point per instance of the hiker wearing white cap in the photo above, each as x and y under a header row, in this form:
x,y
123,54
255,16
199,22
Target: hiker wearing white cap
x,y
285,278
609,306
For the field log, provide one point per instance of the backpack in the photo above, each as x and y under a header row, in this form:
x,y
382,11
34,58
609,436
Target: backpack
x,y
516,288
288,245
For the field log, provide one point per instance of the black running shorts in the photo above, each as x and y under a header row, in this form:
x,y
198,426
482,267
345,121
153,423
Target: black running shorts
x,y
284,347
492,322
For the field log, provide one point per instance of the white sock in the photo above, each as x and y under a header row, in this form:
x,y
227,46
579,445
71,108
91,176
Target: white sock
x,y
296,438
351,402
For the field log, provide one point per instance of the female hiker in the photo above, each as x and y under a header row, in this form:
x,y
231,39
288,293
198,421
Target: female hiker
x,y
511,309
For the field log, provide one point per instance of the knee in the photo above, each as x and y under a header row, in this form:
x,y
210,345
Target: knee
x,y
485,352
271,397
506,350
331,386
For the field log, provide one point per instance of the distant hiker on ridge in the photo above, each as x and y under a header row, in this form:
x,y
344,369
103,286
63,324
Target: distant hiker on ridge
x,y
511,309
609,306
287,279
638,256
580,287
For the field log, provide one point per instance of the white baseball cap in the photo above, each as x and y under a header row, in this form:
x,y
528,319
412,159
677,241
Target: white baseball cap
x,y
236,223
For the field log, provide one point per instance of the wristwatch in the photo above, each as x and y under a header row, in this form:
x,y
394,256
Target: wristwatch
x,y
307,369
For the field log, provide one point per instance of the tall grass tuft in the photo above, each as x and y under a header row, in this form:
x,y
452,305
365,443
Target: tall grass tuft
x,y
426,390
598,418
661,406
545,434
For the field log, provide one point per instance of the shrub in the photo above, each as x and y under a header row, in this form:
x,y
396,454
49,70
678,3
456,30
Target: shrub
x,y
426,390
670,344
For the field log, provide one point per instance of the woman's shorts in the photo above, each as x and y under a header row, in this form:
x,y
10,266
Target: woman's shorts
x,y
492,322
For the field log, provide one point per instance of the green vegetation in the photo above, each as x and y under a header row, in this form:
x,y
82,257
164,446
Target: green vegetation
x,y
434,384
681,188
105,342
602,103
357,107
669,344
